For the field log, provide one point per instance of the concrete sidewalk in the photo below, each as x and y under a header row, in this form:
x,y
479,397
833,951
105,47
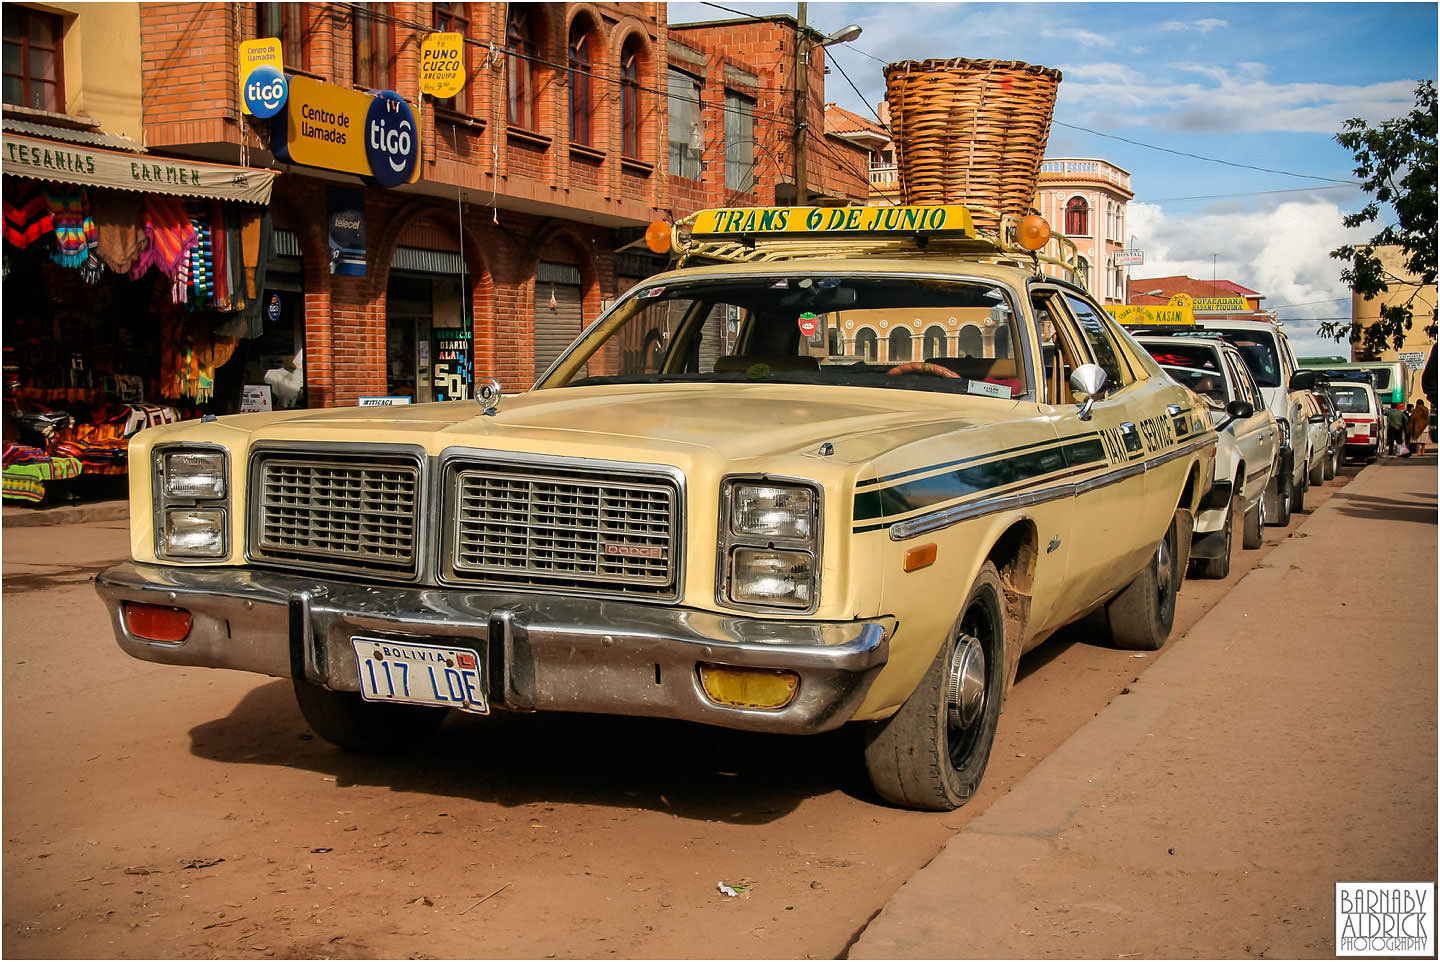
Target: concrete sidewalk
x,y
1286,743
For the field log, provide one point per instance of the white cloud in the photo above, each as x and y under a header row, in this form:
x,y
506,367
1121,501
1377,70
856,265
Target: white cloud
x,y
1086,38
1204,25
1282,252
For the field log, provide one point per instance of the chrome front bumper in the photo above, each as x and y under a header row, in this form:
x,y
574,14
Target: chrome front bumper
x,y
541,652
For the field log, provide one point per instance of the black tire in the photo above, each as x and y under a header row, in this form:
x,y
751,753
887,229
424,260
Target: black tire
x,y
1297,501
1317,471
932,753
345,719
1140,616
1219,567
1284,492
1332,463
1254,534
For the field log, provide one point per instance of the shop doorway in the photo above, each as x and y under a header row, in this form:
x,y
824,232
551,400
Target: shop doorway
x,y
428,354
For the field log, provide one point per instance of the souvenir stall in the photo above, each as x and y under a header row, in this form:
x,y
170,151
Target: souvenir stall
x,y
127,282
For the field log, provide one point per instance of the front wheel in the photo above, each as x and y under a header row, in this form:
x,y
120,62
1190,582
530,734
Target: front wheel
x,y
1140,616
1284,491
1317,471
1297,501
345,719
932,752
1332,463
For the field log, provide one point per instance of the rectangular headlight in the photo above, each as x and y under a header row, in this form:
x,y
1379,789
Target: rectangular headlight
x,y
772,511
194,533
194,474
765,576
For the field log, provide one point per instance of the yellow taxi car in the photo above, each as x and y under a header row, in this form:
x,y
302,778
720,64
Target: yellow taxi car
x,y
844,466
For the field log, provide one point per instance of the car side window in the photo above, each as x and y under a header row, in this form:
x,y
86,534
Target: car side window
x,y
1245,389
1061,349
1097,334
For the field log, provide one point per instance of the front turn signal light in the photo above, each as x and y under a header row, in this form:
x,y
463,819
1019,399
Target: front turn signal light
x,y
157,622
768,688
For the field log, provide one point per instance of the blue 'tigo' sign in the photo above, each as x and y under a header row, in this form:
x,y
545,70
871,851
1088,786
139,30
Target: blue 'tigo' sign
x,y
392,144
265,91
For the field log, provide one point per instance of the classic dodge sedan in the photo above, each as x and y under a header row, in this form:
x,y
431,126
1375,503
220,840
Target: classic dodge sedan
x,y
846,468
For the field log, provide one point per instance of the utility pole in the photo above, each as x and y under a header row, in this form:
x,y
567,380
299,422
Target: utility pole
x,y
802,83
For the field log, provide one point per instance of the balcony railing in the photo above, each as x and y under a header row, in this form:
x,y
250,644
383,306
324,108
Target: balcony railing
x,y
1086,170
884,174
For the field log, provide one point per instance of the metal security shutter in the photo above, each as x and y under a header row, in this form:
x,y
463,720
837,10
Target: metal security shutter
x,y
557,311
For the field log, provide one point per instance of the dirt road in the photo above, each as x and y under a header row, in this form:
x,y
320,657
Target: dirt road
x,y
161,812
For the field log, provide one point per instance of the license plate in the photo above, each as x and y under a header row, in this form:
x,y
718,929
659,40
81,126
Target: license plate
x,y
415,674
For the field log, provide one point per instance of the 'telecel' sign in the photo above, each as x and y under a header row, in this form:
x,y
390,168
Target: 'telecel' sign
x,y
371,134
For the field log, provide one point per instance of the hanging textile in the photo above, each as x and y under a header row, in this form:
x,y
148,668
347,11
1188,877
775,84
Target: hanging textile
x,y
74,227
27,212
119,228
170,233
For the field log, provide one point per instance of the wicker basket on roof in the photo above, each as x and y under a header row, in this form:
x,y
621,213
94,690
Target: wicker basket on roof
x,y
970,131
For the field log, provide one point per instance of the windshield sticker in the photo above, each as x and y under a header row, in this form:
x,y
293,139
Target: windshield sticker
x,y
652,292
987,389
808,324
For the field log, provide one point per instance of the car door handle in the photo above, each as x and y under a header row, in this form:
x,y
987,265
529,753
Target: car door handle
x,y
1127,427
1174,409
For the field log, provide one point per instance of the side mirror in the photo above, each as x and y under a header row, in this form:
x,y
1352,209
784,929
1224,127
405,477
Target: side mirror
x,y
1235,410
1087,381
1302,381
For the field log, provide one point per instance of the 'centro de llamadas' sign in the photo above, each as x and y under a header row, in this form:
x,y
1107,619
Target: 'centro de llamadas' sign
x,y
336,128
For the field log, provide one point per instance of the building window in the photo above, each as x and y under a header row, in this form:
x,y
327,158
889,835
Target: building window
x,y
630,100
582,105
934,345
1077,217
455,18
687,136
739,142
520,69
372,43
284,21
972,342
33,69
899,345
865,344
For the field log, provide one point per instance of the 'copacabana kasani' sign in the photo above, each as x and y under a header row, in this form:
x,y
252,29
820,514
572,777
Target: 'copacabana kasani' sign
x,y
1147,315
374,135
1216,305
442,64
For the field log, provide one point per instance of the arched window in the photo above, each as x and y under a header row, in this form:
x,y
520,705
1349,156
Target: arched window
x,y
630,99
972,343
582,105
1077,217
935,342
520,68
900,345
865,344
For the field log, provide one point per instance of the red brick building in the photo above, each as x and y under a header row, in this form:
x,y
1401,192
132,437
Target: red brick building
x,y
579,124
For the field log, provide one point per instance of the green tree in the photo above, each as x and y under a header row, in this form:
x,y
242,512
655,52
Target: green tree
x,y
1396,162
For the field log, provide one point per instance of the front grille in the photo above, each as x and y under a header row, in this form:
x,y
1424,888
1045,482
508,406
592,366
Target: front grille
x,y
542,526
336,511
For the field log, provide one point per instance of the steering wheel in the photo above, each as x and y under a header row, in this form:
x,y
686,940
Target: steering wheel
x,y
922,367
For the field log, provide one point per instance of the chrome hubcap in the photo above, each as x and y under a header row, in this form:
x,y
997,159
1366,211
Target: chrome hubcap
x,y
966,683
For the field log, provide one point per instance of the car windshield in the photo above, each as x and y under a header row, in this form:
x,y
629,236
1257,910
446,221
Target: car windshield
x,y
1258,350
1354,400
912,333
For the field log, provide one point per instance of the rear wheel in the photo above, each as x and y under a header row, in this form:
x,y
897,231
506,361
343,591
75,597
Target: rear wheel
x,y
1297,501
1332,462
1317,471
1254,535
1219,566
932,752
1140,616
345,719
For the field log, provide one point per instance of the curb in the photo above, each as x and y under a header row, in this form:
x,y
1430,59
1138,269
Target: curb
x,y
15,517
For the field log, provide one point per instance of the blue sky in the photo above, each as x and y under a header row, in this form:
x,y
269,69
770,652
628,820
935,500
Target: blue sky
x,y
1237,85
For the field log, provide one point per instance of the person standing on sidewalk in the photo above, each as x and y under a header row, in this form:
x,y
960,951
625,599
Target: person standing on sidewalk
x,y
1397,426
1419,427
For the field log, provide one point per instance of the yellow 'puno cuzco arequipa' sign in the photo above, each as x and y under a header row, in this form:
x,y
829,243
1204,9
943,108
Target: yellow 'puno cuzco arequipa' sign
x,y
266,52
832,220
442,64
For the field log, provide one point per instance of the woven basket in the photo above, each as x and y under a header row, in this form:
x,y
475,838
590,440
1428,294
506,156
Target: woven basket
x,y
970,131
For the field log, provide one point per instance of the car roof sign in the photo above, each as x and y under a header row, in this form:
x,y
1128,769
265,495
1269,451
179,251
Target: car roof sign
x,y
945,220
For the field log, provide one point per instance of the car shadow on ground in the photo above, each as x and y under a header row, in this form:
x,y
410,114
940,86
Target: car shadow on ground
x,y
690,770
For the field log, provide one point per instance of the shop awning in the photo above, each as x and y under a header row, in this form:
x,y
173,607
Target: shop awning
x,y
94,167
